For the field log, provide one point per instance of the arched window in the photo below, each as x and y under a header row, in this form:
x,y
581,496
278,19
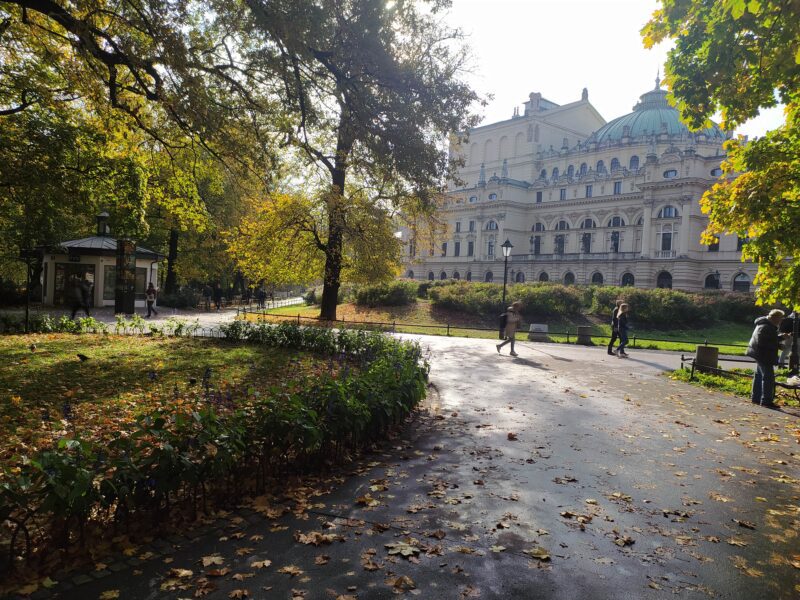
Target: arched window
x,y
741,283
443,276
601,166
584,168
562,226
431,276
614,165
544,276
538,227
670,174
712,281
569,278
664,280
473,198
627,280
570,170
492,196
555,173
634,164
456,275
597,278
616,222
668,212
469,276
520,278
640,221
410,274
716,172
489,277
543,174
491,226
588,224
666,235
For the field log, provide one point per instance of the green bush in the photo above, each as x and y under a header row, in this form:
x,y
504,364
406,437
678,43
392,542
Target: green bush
x,y
486,299
393,293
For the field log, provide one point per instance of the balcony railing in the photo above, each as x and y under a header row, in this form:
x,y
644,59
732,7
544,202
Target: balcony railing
x,y
572,256
665,254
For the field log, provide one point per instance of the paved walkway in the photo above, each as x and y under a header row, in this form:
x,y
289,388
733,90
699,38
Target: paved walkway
x,y
564,473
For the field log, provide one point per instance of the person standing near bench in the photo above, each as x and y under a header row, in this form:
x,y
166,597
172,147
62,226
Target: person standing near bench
x,y
614,327
763,347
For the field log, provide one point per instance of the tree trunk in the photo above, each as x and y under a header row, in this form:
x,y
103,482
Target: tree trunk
x,y
171,284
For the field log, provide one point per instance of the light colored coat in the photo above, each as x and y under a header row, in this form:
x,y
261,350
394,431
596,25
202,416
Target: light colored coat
x,y
513,320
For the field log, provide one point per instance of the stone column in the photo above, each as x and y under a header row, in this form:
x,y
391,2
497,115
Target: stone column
x,y
646,228
685,232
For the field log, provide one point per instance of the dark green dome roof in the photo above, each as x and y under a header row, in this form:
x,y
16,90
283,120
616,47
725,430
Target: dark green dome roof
x,y
649,117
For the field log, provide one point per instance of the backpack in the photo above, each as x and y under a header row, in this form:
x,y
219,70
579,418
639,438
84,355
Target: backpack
x,y
503,320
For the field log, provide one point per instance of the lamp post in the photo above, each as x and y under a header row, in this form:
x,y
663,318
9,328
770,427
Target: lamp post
x,y
506,246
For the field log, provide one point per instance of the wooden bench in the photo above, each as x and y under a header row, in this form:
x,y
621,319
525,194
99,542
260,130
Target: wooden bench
x,y
793,389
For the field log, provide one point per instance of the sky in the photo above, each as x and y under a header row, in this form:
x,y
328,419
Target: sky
x,y
558,47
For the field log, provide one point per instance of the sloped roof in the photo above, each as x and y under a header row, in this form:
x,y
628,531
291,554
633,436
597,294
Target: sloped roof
x,y
102,244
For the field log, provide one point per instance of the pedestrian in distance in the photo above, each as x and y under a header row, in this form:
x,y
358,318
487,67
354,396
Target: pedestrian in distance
x,y
622,327
614,327
207,292
512,322
261,297
150,299
79,293
217,296
763,348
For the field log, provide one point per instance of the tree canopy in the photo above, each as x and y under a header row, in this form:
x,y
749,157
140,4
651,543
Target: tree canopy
x,y
738,56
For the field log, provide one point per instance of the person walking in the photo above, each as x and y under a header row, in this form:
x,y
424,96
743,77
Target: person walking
x,y
622,327
217,296
78,294
207,296
763,347
261,296
614,327
513,319
150,299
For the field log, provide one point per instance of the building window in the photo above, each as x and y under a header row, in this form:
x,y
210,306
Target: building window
x,y
473,198
714,247
712,282
520,278
588,191
472,225
601,167
562,194
458,226
614,165
469,276
634,164
492,196
569,278
544,276
588,224
431,276
665,238
490,248
543,174
668,212
538,227
470,248
570,171
555,173
456,275
741,283
617,187
562,226
443,276
444,249
456,248
716,172
559,244
491,226
670,174
586,243
616,222
489,277
536,244
538,197
664,280
583,169
627,280
615,241
410,274
597,279
740,242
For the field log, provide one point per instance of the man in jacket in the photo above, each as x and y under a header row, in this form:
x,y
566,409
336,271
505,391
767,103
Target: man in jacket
x,y
763,348
614,327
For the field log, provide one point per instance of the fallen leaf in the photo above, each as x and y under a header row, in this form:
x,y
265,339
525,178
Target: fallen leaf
x,y
239,594
243,576
261,564
538,553
109,595
402,548
218,572
401,582
498,548
291,570
214,559
512,436
322,559
181,573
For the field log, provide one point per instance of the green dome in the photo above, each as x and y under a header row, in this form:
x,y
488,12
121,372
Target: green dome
x,y
650,115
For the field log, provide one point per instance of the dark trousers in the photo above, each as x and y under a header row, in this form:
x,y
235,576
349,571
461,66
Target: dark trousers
x,y
76,306
614,337
150,308
623,341
763,391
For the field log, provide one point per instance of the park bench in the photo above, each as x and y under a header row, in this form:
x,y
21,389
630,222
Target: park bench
x,y
692,361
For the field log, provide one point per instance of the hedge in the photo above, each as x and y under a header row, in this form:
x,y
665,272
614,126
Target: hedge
x,y
394,293
207,449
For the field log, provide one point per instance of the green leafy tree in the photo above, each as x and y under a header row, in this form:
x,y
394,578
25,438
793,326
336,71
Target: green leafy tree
x,y
738,56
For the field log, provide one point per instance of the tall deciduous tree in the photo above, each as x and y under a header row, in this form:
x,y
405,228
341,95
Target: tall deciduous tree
x,y
739,56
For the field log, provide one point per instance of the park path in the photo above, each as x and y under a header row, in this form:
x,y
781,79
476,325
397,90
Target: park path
x,y
563,473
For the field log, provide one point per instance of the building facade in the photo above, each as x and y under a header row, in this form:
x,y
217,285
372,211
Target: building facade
x,y
584,201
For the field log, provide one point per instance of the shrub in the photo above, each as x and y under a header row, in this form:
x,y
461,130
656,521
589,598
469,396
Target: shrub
x,y
185,297
394,293
486,299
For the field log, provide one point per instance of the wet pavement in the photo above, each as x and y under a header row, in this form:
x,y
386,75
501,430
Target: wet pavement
x,y
562,473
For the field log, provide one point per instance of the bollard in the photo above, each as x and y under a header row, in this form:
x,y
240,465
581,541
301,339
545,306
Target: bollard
x,y
584,336
538,332
394,326
298,318
634,341
448,329
707,358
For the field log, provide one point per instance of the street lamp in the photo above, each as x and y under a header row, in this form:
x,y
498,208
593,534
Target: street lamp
x,y
506,246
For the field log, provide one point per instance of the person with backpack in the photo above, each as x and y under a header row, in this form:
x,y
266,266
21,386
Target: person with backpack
x,y
509,323
614,327
622,326
763,347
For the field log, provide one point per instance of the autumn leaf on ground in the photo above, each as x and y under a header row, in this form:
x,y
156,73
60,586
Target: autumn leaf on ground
x,y
239,594
538,553
401,582
243,576
218,572
740,562
261,564
367,500
214,559
498,548
402,548
181,573
322,559
736,542
745,524
315,538
291,570
244,551
624,540
109,595
512,437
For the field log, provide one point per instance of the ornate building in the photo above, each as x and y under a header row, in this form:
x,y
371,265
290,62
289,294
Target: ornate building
x,y
585,201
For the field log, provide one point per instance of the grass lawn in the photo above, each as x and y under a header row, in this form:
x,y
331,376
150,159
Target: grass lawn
x,y
422,317
124,377
736,384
